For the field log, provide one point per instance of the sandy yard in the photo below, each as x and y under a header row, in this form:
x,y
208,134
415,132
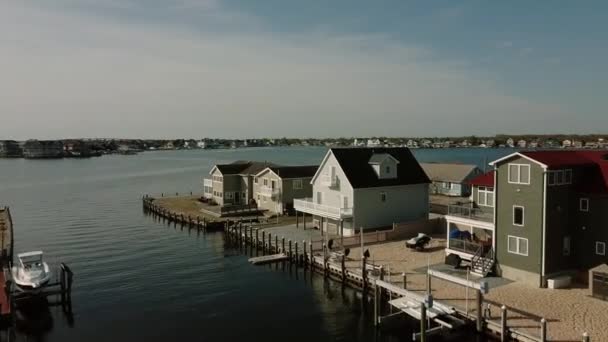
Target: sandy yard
x,y
569,312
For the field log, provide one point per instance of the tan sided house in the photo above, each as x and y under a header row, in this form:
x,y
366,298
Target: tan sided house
x,y
276,187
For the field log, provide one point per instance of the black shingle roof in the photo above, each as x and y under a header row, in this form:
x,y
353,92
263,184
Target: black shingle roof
x,y
355,164
243,167
306,171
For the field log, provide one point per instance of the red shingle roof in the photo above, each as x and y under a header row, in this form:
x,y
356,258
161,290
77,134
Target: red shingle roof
x,y
487,179
595,162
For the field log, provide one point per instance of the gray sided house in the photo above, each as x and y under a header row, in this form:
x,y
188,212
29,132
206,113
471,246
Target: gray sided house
x,y
449,178
368,188
550,215
232,184
276,187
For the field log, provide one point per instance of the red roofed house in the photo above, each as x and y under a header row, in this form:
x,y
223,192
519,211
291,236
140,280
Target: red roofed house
x,y
548,219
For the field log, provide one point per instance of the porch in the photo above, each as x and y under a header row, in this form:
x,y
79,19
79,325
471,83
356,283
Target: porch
x,y
467,237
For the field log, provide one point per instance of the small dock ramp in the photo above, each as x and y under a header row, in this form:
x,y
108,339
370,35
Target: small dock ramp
x,y
267,259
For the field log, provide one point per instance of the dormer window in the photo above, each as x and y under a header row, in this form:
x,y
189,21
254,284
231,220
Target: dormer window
x,y
385,165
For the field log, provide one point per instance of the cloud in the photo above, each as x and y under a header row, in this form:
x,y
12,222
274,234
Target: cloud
x,y
75,73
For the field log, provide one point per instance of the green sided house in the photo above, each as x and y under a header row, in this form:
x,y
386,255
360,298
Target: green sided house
x,y
548,219
276,187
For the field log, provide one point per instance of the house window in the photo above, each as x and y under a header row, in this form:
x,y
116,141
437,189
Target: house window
x,y
551,178
388,169
485,196
229,195
244,195
265,182
517,245
600,248
568,177
584,204
297,184
566,246
447,185
255,180
383,196
518,215
519,173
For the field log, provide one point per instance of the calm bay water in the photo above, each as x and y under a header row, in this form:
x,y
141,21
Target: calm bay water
x,y
141,280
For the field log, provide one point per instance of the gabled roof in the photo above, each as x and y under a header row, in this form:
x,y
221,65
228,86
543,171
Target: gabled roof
x,y
449,172
378,158
486,179
286,172
241,167
360,174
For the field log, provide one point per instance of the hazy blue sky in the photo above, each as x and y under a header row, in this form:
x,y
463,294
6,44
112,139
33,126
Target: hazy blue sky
x,y
244,68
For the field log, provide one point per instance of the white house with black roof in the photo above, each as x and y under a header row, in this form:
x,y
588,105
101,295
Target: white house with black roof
x,y
369,188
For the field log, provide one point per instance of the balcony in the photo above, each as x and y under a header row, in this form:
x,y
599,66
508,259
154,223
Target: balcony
x,y
308,206
328,180
463,245
471,213
267,191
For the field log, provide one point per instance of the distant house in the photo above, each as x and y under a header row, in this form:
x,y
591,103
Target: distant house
x,y
522,143
374,143
76,148
510,142
201,144
577,144
533,144
275,187
232,184
450,179
10,149
426,143
43,149
366,188
412,144
567,143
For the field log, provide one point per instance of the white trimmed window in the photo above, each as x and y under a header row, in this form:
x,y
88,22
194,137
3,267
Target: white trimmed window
x,y
255,180
297,184
519,173
568,176
265,182
383,196
518,215
517,245
559,177
485,196
600,248
584,204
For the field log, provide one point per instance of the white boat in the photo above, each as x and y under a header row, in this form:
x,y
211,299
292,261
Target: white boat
x,y
32,272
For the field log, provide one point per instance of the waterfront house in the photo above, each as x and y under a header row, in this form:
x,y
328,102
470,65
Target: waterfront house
x,y
510,143
550,211
43,149
567,143
368,188
276,187
577,144
450,179
374,142
232,184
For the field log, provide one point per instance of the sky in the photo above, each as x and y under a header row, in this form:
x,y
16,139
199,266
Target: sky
x,y
314,68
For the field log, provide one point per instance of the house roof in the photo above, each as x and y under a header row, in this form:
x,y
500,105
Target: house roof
x,y
354,162
305,171
594,164
600,268
486,179
242,167
457,173
378,158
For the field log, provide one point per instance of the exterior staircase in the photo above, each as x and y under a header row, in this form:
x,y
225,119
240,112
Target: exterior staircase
x,y
482,264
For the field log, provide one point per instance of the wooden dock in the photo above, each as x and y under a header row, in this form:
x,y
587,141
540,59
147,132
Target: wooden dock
x,y
6,259
267,259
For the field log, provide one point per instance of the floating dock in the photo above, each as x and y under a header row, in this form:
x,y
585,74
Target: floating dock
x,y
267,259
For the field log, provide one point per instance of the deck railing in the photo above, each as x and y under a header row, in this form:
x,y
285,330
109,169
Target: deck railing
x,y
463,245
470,212
307,205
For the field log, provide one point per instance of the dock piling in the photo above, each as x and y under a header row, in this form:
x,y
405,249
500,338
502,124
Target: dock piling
x,y
479,320
296,253
586,337
404,280
423,322
543,330
503,324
